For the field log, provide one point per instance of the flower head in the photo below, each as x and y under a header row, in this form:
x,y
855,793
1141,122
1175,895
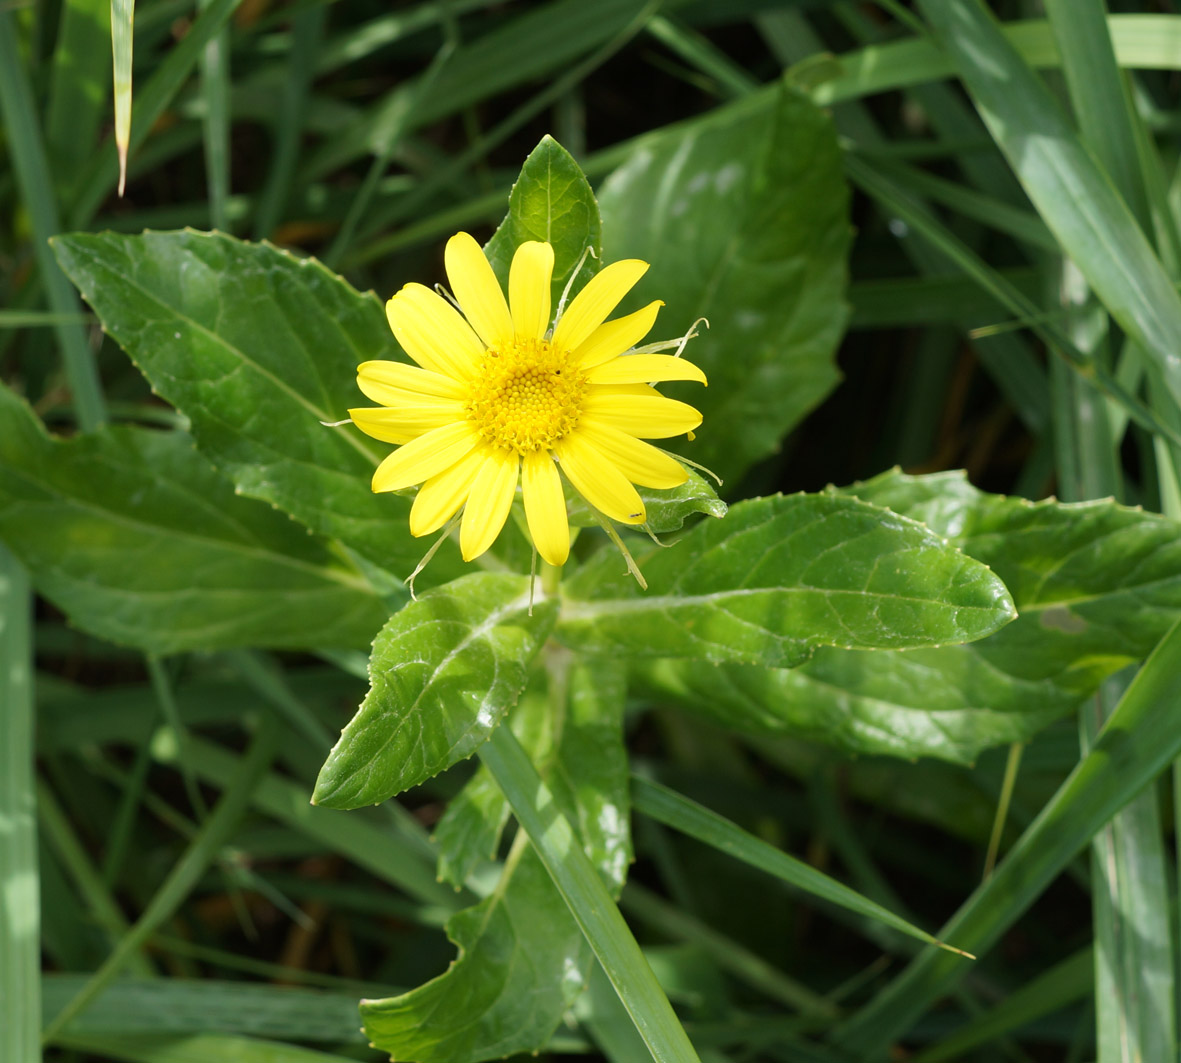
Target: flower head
x,y
499,397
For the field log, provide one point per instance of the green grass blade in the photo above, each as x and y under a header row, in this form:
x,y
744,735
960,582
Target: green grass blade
x,y
307,36
215,122
27,152
1138,742
1064,983
20,903
102,174
98,903
78,87
588,899
122,37
204,848
680,813
1073,195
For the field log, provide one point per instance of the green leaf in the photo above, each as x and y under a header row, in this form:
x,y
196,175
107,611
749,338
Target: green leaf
x,y
745,221
139,541
523,959
1095,584
551,201
780,577
443,672
667,509
256,348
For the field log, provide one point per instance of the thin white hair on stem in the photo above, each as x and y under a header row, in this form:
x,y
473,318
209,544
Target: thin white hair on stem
x,y
700,468
336,424
588,250
679,343
652,535
426,560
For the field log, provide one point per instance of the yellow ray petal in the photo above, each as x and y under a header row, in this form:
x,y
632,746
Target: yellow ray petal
x,y
424,457
489,502
529,289
645,369
478,291
614,337
545,506
406,422
403,377
590,307
640,462
649,416
439,499
598,480
433,333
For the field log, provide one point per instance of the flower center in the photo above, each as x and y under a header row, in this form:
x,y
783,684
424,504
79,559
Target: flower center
x,y
526,396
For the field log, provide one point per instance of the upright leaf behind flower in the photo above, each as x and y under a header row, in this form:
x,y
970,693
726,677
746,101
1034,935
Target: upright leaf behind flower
x,y
745,219
552,202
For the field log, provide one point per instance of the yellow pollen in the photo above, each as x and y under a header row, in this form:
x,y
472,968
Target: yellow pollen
x,y
526,396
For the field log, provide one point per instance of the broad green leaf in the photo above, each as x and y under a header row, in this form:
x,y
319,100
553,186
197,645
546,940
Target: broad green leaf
x,y
256,348
745,221
140,541
523,959
1138,742
780,577
443,672
1095,584
551,202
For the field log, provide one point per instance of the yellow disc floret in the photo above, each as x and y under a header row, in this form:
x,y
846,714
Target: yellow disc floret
x,y
526,396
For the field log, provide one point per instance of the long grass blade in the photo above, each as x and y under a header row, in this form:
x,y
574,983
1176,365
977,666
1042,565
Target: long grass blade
x,y
122,38
215,122
27,152
20,902
682,814
1140,739
215,832
587,897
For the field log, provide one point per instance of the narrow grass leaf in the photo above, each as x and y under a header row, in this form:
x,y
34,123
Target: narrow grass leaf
x,y
688,817
20,904
214,833
1137,743
523,961
27,153
122,37
587,897
1072,194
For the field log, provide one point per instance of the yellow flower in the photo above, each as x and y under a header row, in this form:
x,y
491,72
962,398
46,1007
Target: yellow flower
x,y
500,397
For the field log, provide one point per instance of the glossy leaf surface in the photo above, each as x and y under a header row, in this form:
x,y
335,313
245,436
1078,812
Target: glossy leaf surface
x,y
139,540
443,672
780,577
256,347
745,220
